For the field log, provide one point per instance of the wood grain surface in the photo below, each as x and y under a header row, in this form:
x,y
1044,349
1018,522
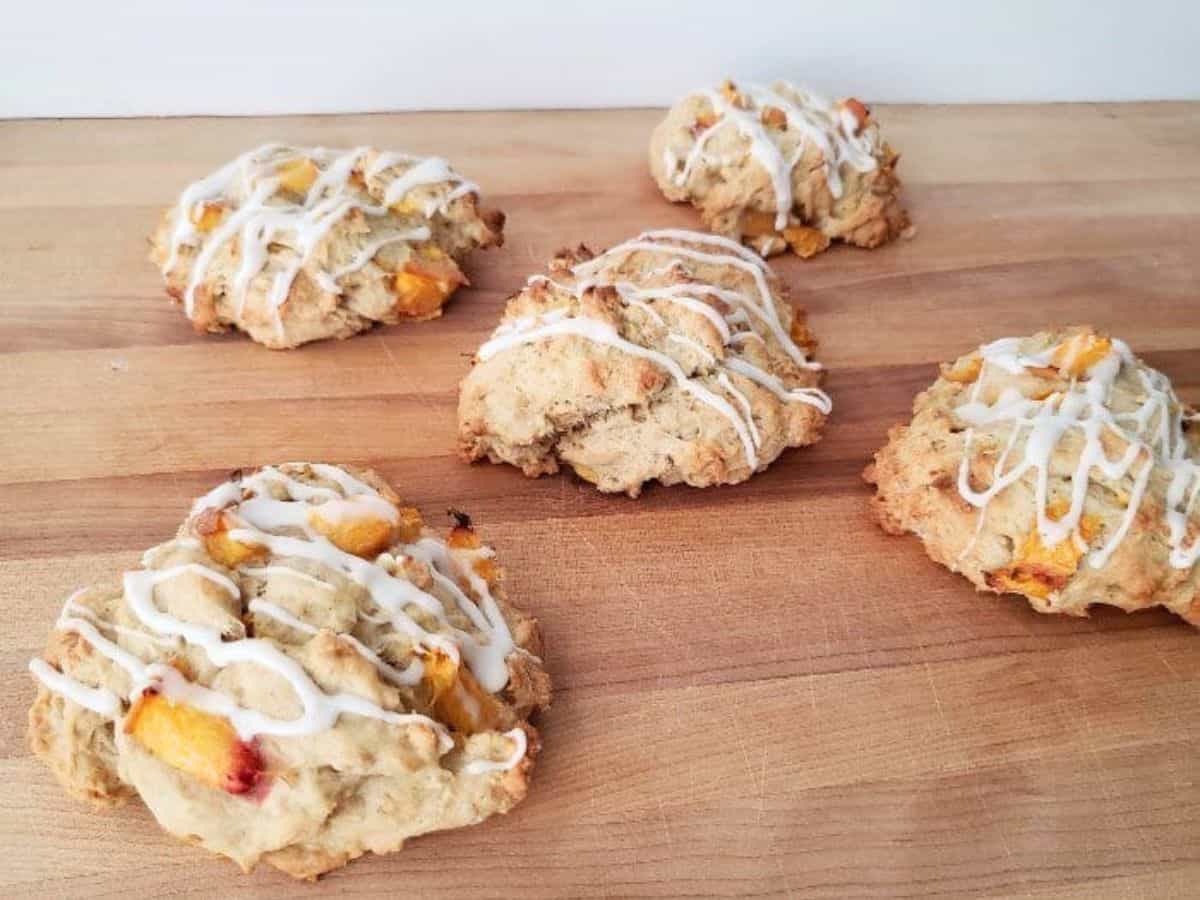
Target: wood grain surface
x,y
758,693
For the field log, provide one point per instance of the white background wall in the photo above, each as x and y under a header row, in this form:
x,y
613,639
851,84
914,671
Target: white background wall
x,y
177,57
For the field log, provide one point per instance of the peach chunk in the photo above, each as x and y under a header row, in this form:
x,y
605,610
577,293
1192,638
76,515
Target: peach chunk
x,y
858,111
964,371
203,745
487,569
1038,570
1076,355
207,216
735,97
800,334
463,537
297,175
423,285
439,673
774,117
406,206
213,526
364,534
456,697
588,474
704,121
806,242
758,224
410,525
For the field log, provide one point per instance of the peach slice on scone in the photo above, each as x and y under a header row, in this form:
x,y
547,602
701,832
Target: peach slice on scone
x,y
203,745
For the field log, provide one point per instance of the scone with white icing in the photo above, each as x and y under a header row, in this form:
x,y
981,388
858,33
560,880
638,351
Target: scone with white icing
x,y
305,674
292,245
1059,467
778,167
675,356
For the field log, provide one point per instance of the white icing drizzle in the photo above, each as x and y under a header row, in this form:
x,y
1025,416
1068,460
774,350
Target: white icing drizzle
x,y
693,345
250,186
321,710
486,655
742,336
134,667
350,485
281,615
558,322
1152,434
329,280
676,294
646,308
432,170
831,129
259,514
603,333
520,746
408,676
1179,510
388,160
74,610
352,508
101,701
486,658
997,473
268,571
436,555
736,255
229,492
747,410
762,148
701,237
811,396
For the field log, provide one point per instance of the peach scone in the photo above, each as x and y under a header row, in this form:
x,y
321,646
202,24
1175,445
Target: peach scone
x,y
778,167
292,245
304,674
1059,467
675,356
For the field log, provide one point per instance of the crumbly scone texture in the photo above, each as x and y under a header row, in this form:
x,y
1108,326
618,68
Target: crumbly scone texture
x,y
305,674
778,167
291,245
1059,467
673,357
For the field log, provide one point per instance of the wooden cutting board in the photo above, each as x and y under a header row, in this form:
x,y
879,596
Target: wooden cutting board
x,y
758,693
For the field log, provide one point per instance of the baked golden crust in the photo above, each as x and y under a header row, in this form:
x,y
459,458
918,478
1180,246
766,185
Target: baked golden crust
x,y
276,688
673,357
292,245
1059,467
779,168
